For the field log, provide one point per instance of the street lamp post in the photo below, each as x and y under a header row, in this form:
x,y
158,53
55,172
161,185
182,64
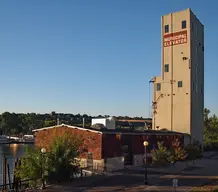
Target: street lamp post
x,y
145,143
43,151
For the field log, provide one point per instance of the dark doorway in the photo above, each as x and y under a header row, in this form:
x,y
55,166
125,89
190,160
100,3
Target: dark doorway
x,y
90,161
127,153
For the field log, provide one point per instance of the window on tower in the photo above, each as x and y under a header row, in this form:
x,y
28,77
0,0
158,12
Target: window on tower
x,y
158,86
166,68
166,28
179,83
184,24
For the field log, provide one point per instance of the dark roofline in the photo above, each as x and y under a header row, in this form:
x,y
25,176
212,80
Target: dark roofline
x,y
115,131
130,131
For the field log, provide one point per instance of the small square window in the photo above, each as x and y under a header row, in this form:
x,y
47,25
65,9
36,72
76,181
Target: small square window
x,y
166,68
166,28
184,24
179,83
158,86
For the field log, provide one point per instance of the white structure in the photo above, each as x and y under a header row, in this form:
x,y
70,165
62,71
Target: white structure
x,y
4,139
109,123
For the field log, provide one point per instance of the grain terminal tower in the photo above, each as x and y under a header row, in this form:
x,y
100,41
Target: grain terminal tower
x,y
178,94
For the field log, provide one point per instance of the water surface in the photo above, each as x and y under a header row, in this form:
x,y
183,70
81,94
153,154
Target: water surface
x,y
11,152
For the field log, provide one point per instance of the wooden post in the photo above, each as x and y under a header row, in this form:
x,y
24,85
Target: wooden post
x,y
9,178
14,176
4,171
20,182
3,187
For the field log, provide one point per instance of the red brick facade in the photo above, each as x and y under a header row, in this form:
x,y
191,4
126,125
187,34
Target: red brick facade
x,y
107,145
112,143
92,140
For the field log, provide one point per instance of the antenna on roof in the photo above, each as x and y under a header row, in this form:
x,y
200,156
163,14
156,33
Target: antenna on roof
x,y
58,122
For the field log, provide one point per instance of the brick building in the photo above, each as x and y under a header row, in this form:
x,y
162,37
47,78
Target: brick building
x,y
110,149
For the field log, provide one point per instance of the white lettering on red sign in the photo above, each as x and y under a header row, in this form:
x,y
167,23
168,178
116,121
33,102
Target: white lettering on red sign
x,y
175,38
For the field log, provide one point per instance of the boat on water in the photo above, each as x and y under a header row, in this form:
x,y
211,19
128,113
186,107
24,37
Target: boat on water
x,y
4,139
28,139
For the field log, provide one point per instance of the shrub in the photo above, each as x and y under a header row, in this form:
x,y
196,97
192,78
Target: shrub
x,y
58,163
61,157
31,166
177,153
160,156
194,151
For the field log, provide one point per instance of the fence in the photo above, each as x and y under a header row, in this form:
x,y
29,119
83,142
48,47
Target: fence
x,y
11,182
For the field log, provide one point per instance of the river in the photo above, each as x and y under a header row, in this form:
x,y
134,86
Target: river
x,y
11,151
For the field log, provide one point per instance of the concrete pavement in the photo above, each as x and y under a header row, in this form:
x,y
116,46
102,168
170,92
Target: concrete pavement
x,y
128,183
203,172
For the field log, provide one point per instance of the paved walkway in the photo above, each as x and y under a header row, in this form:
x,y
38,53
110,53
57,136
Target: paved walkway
x,y
127,183
203,172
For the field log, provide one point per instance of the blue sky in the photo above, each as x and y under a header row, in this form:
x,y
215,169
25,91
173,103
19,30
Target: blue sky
x,y
91,56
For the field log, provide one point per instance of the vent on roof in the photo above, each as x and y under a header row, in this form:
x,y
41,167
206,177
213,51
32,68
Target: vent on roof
x,y
164,129
98,126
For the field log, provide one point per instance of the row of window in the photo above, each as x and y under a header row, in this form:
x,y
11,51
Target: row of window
x,y
159,85
180,85
166,68
167,28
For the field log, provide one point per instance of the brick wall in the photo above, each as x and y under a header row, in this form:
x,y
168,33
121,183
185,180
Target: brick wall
x,y
92,140
138,148
112,143
112,146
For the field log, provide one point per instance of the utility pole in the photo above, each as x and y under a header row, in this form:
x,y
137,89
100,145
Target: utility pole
x,y
83,122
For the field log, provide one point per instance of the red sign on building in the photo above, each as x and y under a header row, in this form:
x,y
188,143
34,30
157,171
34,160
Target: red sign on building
x,y
175,38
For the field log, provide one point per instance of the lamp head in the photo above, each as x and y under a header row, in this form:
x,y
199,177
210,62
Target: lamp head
x,y
145,143
43,150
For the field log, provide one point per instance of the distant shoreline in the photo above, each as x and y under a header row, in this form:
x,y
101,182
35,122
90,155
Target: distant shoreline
x,y
16,142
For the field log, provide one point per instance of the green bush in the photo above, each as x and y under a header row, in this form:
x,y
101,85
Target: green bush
x,y
31,166
57,164
177,152
210,145
163,156
160,156
194,151
62,157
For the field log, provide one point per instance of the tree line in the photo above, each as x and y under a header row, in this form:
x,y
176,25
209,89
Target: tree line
x,y
210,130
20,123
